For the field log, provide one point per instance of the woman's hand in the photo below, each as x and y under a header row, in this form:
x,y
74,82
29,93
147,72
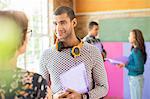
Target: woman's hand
x,y
121,65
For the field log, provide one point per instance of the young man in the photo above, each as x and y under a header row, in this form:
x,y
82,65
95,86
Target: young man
x,y
91,37
70,52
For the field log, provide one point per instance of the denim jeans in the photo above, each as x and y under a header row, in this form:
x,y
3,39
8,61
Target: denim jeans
x,y
136,86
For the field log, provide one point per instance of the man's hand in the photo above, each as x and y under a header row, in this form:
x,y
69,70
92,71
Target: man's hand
x,y
61,95
73,94
49,93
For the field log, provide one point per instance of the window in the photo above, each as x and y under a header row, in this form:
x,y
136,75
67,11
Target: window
x,y
37,12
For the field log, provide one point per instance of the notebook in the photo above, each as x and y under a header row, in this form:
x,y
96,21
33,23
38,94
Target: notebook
x,y
75,78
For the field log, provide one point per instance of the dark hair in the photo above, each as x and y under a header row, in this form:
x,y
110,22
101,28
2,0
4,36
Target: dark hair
x,y
140,42
63,9
91,24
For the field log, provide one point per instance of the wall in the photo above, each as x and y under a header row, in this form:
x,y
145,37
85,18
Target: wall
x,y
83,6
120,27
98,10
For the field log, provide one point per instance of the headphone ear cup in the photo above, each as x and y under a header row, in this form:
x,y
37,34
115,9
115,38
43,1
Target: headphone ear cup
x,y
59,45
75,51
71,52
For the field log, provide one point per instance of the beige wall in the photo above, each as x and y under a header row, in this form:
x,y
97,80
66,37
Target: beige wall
x,y
96,10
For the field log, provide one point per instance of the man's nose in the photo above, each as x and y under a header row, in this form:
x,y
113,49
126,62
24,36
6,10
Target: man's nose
x,y
59,27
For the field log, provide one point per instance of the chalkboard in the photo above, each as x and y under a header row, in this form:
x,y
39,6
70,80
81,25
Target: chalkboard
x,y
117,30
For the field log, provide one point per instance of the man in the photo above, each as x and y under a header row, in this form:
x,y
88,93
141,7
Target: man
x,y
63,56
91,37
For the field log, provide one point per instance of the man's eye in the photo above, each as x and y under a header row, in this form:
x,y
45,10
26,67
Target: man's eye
x,y
62,23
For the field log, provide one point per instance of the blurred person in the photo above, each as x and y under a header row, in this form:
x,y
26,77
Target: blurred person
x,y
91,38
16,83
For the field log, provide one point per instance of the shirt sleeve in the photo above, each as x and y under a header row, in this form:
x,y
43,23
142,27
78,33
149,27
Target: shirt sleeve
x,y
40,86
31,86
99,77
43,66
135,61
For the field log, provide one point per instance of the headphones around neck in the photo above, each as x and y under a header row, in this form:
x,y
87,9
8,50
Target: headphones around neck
x,y
74,51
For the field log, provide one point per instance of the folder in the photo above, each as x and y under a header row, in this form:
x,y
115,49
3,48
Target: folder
x,y
75,78
119,60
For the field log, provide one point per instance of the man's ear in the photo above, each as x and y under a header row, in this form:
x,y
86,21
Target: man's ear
x,y
74,22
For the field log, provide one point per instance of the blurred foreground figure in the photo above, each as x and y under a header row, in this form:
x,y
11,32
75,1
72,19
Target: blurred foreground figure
x,y
17,83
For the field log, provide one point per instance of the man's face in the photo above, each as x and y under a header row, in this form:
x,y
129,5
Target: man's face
x,y
63,26
94,30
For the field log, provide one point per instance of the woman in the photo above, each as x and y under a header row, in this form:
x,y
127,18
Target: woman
x,y
136,62
17,83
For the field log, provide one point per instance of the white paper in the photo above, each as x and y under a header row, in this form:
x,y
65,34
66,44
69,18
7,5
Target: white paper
x,y
120,60
113,61
75,78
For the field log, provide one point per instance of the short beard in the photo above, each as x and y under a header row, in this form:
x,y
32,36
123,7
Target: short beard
x,y
61,40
